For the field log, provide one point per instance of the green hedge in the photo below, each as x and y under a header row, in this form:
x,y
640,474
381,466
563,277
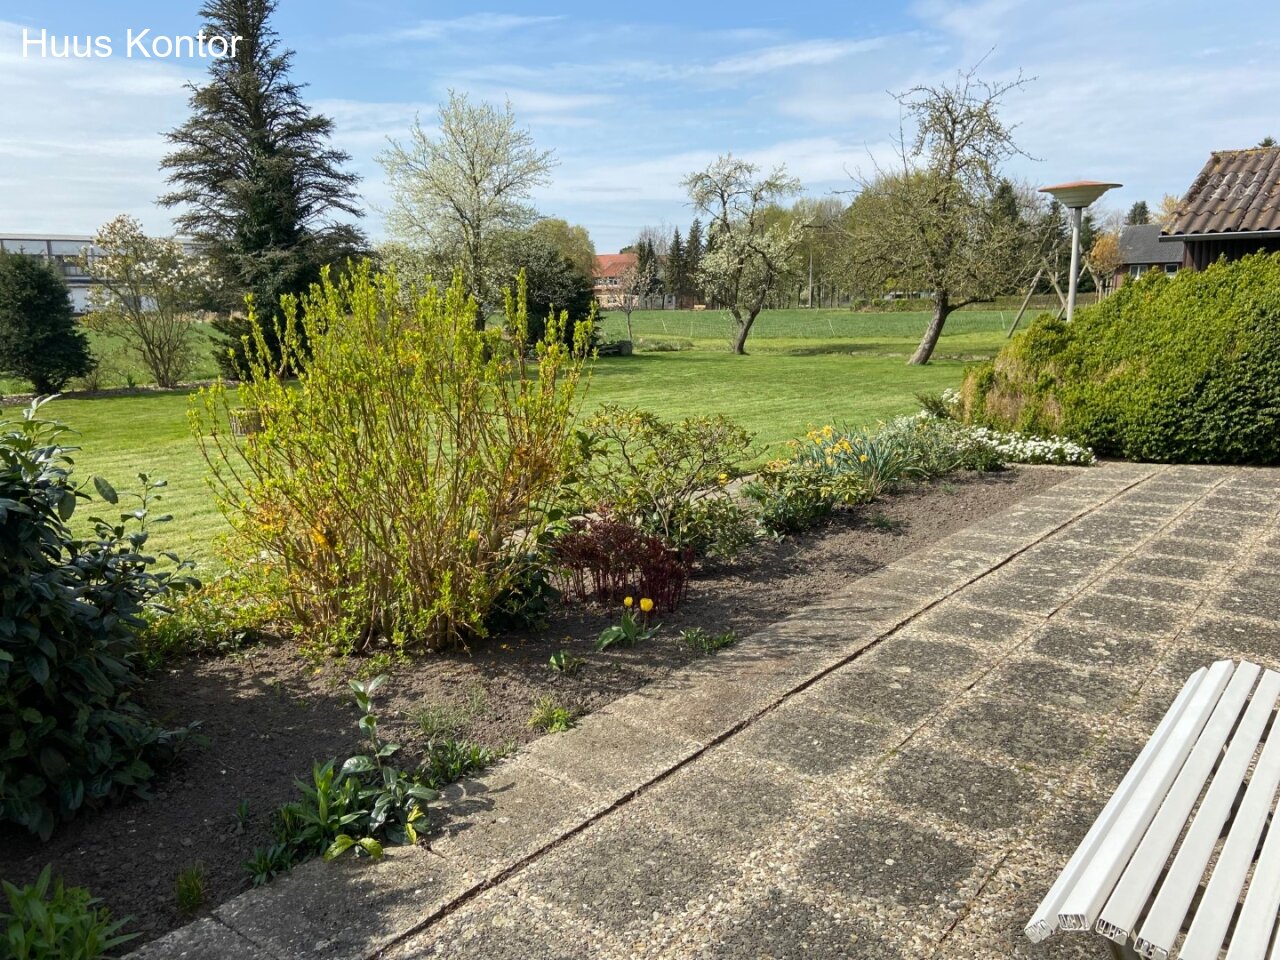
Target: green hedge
x,y
1182,369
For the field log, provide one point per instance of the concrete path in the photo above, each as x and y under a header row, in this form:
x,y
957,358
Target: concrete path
x,y
898,772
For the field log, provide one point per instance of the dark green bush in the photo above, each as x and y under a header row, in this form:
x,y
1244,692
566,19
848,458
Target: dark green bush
x,y
40,339
58,924
1183,369
70,610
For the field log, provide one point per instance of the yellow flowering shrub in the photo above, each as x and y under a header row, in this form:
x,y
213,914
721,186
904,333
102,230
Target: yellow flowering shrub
x,y
386,483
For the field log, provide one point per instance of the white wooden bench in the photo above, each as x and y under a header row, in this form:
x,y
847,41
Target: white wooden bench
x,y
1208,778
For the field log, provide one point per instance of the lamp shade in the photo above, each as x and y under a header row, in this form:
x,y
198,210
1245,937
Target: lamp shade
x,y
1079,193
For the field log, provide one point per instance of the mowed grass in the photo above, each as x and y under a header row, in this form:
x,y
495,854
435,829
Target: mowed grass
x,y
794,378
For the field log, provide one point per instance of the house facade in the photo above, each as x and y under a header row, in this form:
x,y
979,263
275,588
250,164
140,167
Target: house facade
x,y
1141,250
610,268
1231,210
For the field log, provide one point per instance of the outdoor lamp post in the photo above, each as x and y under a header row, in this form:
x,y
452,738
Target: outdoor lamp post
x,y
1075,196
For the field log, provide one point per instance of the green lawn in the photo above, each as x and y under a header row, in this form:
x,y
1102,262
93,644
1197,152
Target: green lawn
x,y
795,377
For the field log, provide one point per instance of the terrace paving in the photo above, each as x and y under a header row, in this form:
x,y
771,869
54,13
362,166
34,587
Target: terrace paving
x,y
898,772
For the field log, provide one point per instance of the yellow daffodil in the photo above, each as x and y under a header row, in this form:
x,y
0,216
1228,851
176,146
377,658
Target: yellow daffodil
x,y
863,458
628,601
474,536
646,605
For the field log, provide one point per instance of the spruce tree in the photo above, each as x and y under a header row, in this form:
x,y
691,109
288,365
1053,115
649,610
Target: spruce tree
x,y
673,275
1139,213
693,249
40,339
259,186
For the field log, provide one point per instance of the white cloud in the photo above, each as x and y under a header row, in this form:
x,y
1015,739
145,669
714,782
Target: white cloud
x,y
475,24
805,54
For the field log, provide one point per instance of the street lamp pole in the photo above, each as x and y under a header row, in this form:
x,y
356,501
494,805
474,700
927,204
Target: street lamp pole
x,y
1075,196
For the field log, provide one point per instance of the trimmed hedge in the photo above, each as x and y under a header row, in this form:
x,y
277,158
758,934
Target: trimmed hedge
x,y
1182,369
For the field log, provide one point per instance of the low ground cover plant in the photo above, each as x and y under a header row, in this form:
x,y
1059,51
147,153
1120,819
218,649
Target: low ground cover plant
x,y
48,920
1173,369
71,609
386,486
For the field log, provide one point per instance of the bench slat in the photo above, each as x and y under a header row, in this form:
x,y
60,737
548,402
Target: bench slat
x,y
1045,919
1204,940
1080,907
1164,921
1261,903
1130,895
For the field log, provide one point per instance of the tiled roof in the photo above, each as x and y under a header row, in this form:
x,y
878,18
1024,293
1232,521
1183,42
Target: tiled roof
x,y
1140,243
1238,191
614,264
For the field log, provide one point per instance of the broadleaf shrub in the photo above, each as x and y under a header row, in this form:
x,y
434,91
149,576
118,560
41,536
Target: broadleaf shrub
x,y
668,477
388,485
70,611
1179,369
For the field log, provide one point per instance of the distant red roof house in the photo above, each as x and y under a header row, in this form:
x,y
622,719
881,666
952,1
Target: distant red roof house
x,y
609,270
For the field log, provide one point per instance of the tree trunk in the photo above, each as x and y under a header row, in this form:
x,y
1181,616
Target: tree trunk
x,y
744,328
941,310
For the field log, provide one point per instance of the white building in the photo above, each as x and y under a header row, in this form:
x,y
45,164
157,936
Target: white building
x,y
62,250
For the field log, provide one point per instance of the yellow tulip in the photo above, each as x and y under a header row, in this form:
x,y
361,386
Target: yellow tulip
x,y
646,605
628,601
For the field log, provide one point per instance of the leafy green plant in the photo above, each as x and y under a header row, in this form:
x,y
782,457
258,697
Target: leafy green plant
x,y
386,487
549,716
267,863
631,629
667,478
360,805
231,612
58,923
70,612
241,816
189,891
790,497
527,601
450,760
700,641
564,662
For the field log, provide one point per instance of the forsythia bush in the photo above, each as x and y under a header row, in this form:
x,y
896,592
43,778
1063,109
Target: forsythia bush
x,y
388,484
1183,369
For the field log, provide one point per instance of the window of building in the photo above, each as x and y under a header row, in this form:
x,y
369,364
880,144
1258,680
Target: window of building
x,y
1171,268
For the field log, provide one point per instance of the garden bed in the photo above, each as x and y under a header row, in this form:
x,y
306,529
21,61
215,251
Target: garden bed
x,y
269,714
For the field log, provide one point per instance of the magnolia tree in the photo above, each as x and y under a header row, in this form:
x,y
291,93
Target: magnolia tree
x,y
748,253
146,292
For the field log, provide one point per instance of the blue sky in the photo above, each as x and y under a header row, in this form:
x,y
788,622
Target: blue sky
x,y
633,96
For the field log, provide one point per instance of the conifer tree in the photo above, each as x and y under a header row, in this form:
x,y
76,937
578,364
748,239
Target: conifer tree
x,y
257,183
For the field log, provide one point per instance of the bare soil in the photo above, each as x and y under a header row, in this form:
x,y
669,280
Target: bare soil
x,y
269,714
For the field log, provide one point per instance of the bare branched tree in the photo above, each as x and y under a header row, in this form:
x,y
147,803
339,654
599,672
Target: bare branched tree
x,y
945,222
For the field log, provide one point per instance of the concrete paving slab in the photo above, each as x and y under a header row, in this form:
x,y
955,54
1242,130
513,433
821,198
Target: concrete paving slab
x,y
1093,645
1022,731
608,755
780,925
974,793
206,939
806,739
975,624
880,857
347,909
